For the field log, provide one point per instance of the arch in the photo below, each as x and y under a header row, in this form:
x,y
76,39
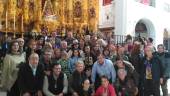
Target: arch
x,y
150,29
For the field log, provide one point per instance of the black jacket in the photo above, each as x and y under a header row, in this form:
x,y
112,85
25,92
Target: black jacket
x,y
157,70
27,81
165,61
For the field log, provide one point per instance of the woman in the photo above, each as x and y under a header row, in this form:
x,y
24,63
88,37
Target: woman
x,y
73,59
64,61
106,89
106,53
88,61
88,58
86,90
136,56
10,69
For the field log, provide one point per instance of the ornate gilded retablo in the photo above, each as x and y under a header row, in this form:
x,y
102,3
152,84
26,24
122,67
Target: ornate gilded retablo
x,y
54,15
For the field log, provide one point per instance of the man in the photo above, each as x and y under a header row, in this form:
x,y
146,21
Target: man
x,y
46,61
102,67
64,46
31,76
57,54
125,85
165,61
55,38
76,80
69,38
56,84
93,40
21,44
151,74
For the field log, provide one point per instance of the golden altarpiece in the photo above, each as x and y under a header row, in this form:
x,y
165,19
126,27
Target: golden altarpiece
x,y
50,15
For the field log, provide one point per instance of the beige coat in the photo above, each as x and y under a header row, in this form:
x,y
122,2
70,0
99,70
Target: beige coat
x,y
10,69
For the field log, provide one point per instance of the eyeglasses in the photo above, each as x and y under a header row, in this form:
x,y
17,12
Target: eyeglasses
x,y
57,68
118,61
20,41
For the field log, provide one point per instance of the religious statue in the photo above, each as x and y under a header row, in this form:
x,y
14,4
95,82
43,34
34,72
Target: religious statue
x,y
92,12
56,6
26,11
31,9
50,18
11,8
77,9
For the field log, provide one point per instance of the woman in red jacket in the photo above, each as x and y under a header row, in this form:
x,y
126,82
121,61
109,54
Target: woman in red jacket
x,y
105,89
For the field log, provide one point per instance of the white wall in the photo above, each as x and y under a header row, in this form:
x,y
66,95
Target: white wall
x,y
120,16
103,12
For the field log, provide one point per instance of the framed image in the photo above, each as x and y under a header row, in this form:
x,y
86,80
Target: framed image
x,y
107,2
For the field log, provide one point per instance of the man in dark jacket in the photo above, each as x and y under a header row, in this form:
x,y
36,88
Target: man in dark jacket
x,y
151,74
31,77
165,61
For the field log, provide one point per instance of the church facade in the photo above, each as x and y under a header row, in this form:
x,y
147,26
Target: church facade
x,y
147,18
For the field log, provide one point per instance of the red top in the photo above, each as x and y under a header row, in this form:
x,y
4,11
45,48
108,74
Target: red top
x,y
110,91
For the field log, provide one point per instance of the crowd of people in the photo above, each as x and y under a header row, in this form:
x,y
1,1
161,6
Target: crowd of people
x,y
91,66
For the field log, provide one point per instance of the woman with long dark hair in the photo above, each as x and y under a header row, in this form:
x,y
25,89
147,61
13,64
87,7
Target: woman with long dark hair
x,y
136,56
73,59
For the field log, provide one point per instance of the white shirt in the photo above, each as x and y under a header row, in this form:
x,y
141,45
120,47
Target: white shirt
x,y
34,69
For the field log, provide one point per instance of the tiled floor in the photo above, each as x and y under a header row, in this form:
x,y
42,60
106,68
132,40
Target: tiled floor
x,y
2,94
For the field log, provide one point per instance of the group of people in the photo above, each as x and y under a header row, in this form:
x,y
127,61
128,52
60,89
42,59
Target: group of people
x,y
89,66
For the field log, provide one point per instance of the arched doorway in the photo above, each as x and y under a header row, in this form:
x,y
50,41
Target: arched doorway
x,y
145,28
